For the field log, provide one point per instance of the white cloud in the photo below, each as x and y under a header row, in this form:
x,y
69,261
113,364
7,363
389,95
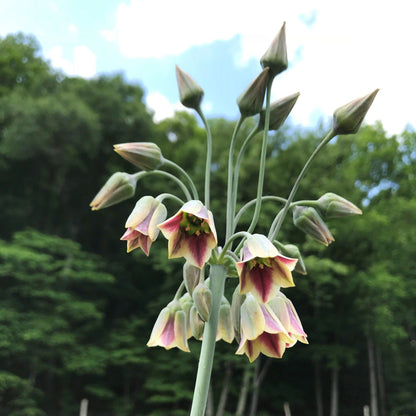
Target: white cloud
x,y
83,63
162,107
73,29
350,49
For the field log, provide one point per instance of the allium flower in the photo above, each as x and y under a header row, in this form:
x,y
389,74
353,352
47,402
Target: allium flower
x,y
263,269
191,233
170,329
286,312
261,331
142,224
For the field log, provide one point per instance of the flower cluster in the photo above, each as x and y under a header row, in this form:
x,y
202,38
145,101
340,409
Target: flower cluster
x,y
260,317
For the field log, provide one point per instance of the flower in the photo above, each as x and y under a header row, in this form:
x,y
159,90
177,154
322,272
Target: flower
x,y
261,331
286,312
190,92
146,156
348,118
191,233
142,224
119,187
308,220
170,329
263,269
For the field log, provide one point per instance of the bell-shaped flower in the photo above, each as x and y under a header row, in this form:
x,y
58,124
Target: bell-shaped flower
x,y
286,312
170,329
144,155
263,269
142,224
261,331
309,221
191,233
119,187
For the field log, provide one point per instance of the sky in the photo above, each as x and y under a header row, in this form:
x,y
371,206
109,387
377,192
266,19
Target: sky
x,y
337,50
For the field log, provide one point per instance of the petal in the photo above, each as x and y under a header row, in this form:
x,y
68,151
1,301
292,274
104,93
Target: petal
x,y
158,216
180,331
252,318
262,282
159,327
196,208
259,245
142,209
171,225
250,348
288,261
271,345
282,276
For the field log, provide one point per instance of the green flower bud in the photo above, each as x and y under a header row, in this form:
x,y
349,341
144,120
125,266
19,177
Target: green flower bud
x,y
308,220
279,111
190,276
250,102
196,323
119,187
236,303
276,56
202,299
291,250
348,118
146,156
225,325
190,92
333,205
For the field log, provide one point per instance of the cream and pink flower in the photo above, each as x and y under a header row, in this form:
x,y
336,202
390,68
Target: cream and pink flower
x,y
191,233
142,224
263,269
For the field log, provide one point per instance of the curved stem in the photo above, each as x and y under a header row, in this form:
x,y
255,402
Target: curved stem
x,y
183,172
208,160
279,221
199,402
179,291
262,159
230,208
229,242
164,196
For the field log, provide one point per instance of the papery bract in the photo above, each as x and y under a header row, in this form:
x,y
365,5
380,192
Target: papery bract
x,y
191,233
263,269
142,224
170,329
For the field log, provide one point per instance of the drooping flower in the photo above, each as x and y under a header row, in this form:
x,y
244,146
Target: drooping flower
x,y
263,269
142,224
191,233
261,331
170,329
119,187
286,312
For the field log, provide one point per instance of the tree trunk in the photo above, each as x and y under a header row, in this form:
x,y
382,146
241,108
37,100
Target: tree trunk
x,y
286,409
380,381
259,375
225,388
373,377
318,390
334,391
242,398
209,411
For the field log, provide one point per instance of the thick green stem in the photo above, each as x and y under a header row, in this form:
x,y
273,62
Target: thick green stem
x,y
278,221
203,377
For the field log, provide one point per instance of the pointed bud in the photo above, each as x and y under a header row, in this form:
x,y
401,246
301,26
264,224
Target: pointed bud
x,y
225,326
250,102
348,118
191,275
146,156
196,323
202,299
333,205
119,187
308,220
279,111
276,56
290,250
189,91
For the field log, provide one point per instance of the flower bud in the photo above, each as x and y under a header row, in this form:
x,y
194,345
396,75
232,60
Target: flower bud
x,y
190,92
291,250
348,118
202,299
250,102
333,205
190,276
308,220
225,326
236,303
279,111
186,303
144,155
252,318
120,186
276,56
196,323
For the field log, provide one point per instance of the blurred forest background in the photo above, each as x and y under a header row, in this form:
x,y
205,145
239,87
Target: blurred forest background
x,y
76,311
